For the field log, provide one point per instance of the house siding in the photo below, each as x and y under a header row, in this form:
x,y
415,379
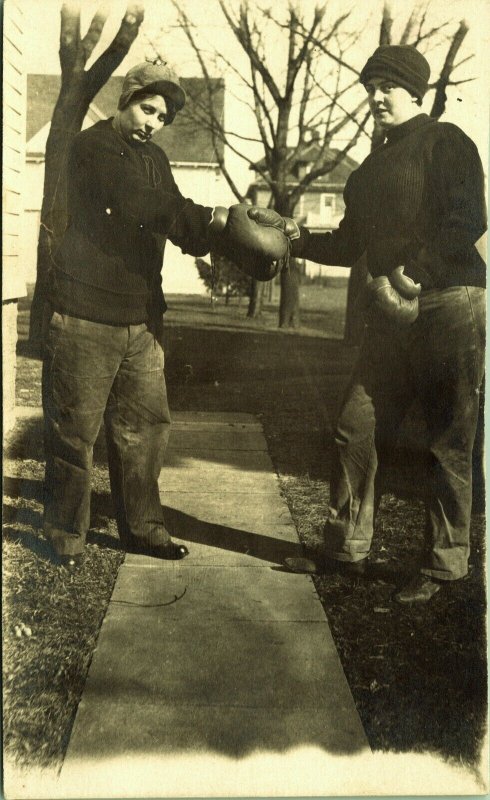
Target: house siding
x,y
205,185
13,154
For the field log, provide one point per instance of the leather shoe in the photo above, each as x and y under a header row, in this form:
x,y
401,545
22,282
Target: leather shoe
x,y
71,563
170,551
419,590
307,566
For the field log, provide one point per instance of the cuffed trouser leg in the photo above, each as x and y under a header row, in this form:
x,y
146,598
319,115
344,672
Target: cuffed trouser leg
x,y
137,424
448,362
80,362
374,405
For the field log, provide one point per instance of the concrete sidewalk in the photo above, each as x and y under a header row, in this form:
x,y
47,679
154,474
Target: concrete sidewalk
x,y
208,667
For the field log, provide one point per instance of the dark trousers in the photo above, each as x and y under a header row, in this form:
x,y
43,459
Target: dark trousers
x,y
93,373
439,360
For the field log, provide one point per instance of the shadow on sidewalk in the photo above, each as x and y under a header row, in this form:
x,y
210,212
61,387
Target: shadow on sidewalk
x,y
267,548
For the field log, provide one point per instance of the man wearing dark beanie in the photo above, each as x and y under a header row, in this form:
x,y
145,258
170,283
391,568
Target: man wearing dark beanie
x,y
416,208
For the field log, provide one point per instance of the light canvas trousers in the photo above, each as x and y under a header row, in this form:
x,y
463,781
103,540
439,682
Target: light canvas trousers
x,y
93,373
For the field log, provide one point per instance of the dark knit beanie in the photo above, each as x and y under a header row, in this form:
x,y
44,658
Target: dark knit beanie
x,y
400,63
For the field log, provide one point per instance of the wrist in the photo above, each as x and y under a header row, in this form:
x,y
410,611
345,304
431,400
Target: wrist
x,y
219,218
298,244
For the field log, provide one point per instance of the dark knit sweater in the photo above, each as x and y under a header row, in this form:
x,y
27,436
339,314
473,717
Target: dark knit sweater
x,y
418,201
123,203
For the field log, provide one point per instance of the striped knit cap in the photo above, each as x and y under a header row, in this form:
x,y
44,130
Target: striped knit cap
x,y
401,64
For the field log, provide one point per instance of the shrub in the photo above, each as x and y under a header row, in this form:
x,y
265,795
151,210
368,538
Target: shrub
x,y
223,279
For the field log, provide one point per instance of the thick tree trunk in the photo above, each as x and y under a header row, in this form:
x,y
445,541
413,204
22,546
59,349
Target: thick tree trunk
x,y
67,121
289,315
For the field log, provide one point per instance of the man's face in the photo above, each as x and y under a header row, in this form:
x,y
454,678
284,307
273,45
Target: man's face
x,y
390,104
143,117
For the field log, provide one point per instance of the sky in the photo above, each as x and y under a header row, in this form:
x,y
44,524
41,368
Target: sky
x,y
467,104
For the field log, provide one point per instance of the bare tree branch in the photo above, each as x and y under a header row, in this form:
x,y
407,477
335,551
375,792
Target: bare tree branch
x,y
409,27
440,98
107,62
69,35
431,33
92,37
422,19
386,24
463,61
243,36
313,175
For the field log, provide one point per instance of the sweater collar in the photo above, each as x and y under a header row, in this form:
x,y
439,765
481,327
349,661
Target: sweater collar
x,y
407,127
109,123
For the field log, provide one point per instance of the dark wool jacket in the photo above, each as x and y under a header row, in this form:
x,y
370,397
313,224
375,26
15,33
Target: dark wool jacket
x,y
418,201
123,203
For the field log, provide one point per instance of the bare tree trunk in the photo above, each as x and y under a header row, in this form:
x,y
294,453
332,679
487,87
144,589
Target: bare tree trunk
x,y
289,302
256,297
439,105
78,89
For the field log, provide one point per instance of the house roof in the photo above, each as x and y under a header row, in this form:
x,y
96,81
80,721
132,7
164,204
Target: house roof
x,y
183,141
336,178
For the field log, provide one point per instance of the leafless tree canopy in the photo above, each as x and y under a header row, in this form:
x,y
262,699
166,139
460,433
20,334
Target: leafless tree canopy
x,y
298,73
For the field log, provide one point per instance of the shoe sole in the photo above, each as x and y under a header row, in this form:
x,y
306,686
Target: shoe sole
x,y
303,566
415,602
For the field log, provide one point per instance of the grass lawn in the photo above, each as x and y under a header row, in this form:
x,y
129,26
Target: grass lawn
x,y
418,676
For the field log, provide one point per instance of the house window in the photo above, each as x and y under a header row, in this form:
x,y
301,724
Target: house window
x,y
327,208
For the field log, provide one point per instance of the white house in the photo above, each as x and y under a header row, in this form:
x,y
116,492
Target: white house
x,y
321,207
187,144
13,148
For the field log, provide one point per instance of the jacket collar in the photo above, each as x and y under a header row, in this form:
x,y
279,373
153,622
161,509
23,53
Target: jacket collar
x,y
407,127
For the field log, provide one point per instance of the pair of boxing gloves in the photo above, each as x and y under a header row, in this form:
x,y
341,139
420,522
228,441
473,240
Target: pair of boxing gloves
x,y
259,247
258,240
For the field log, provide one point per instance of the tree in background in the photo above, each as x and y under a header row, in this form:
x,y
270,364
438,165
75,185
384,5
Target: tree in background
x,y
302,91
301,76
78,88
223,278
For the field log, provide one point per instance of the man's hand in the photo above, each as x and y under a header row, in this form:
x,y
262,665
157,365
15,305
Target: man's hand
x,y
269,217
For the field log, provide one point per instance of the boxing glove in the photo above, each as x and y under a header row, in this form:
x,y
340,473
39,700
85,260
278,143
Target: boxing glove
x,y
258,250
267,216
381,299
403,284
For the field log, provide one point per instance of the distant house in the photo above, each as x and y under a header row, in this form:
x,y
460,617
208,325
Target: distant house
x,y
321,207
187,145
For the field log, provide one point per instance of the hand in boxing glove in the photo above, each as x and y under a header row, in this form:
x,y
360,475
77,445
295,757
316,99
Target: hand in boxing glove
x,y
394,297
269,217
258,250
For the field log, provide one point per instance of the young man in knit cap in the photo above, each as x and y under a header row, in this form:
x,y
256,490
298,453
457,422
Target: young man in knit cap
x,y
416,208
103,356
